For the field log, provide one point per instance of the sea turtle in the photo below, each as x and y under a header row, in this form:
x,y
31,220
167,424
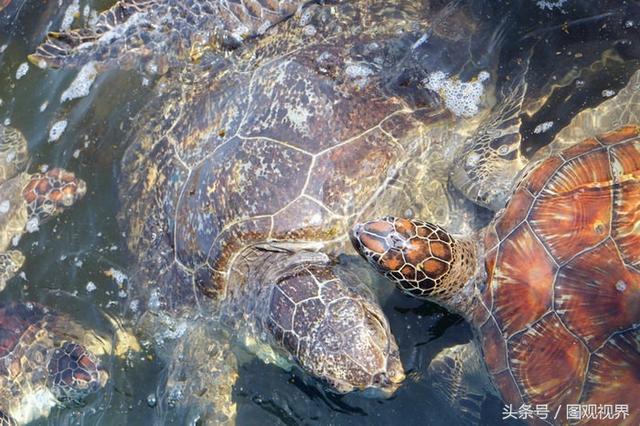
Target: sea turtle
x,y
241,185
552,285
27,200
46,359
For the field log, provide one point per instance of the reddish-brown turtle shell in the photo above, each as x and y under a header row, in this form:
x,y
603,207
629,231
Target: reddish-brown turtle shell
x,y
18,326
561,322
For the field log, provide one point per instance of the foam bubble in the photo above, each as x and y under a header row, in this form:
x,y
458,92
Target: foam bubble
x,y
56,130
461,98
550,5
22,70
69,15
543,127
81,85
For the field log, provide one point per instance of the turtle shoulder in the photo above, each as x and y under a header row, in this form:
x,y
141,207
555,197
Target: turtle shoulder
x,y
18,323
560,258
20,329
14,212
13,152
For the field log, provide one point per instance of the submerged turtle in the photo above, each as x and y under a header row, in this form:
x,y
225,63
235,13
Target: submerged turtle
x,y
46,359
27,200
552,285
241,185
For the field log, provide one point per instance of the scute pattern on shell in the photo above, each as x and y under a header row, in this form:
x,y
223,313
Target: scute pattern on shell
x,y
561,258
21,340
283,144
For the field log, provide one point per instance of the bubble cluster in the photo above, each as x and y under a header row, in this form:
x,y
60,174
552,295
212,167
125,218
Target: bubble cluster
x,y
543,127
461,98
550,5
81,85
56,130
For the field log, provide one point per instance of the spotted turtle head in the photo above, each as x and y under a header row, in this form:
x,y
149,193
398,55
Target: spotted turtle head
x,y
74,373
421,258
49,193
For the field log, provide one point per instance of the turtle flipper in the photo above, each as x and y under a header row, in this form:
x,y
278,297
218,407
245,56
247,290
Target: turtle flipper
x,y
488,163
459,376
13,152
169,31
200,370
10,263
74,47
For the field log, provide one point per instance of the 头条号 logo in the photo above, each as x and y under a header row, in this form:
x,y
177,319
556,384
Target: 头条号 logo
x,y
571,412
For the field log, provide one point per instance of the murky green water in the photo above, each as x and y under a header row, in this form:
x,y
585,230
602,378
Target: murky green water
x,y
80,246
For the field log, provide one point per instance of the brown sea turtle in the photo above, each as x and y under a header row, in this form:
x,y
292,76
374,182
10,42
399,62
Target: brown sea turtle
x,y
241,185
46,359
552,285
27,200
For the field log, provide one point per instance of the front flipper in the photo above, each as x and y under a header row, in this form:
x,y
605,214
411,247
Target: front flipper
x,y
459,376
13,152
486,167
10,263
201,370
169,30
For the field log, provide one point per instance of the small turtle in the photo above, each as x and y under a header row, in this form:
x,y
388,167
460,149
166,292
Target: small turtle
x,y
552,285
242,184
27,200
46,359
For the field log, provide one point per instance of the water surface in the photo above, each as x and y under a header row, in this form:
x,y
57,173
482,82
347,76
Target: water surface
x,y
74,253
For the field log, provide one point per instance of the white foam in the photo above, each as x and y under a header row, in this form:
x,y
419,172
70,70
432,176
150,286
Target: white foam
x,y
608,93
119,276
461,98
81,85
543,127
56,130
33,224
69,15
550,5
22,70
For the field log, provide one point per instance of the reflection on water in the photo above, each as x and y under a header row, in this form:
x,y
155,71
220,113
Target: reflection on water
x,y
579,52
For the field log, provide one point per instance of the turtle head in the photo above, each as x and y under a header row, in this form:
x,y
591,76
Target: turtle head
x,y
335,331
49,193
421,258
74,373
